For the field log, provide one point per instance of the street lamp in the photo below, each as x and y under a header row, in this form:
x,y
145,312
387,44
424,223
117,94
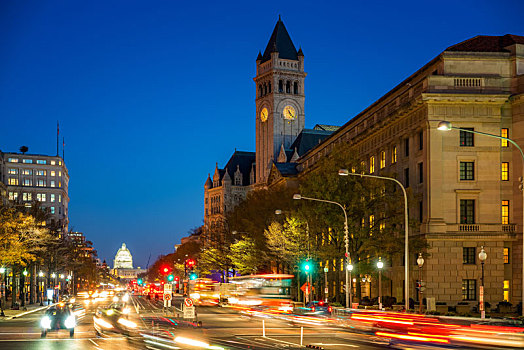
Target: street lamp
x,y
482,257
326,288
40,289
446,126
345,172
420,262
380,265
346,234
350,268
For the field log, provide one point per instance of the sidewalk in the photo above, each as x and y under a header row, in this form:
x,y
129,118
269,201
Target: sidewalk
x,y
10,314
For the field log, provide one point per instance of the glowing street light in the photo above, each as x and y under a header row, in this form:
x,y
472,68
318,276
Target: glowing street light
x,y
380,265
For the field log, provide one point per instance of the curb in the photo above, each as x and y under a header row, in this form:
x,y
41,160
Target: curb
x,y
29,312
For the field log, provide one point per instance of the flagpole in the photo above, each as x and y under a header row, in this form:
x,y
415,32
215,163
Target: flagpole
x,y
57,137
63,149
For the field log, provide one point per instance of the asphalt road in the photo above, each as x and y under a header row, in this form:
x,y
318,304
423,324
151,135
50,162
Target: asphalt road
x,y
221,327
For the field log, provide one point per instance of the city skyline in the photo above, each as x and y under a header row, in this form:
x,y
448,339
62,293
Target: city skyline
x,y
146,111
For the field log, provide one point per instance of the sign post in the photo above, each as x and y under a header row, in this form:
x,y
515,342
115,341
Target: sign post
x,y
189,309
168,290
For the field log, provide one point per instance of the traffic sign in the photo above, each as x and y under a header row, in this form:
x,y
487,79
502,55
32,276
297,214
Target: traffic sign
x,y
167,296
168,288
189,312
306,286
188,302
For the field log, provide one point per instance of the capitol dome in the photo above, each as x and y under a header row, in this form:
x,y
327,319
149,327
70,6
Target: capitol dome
x,y
123,258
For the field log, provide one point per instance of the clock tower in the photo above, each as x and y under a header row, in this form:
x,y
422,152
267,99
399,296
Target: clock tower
x,y
279,99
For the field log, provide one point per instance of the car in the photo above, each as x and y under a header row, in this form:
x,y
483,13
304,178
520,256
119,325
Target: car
x,y
113,319
58,317
318,308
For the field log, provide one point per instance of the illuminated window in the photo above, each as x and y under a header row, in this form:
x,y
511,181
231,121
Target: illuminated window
x,y
467,170
41,197
334,264
506,290
362,166
505,212
371,165
341,286
52,210
59,162
371,221
27,196
13,196
341,264
59,173
27,161
506,255
468,255
40,161
13,181
394,155
52,183
320,263
52,197
41,172
40,183
504,132
469,289
60,184
382,160
12,160
504,171
466,138
28,182
53,173
27,172
59,198
12,171
382,224
53,162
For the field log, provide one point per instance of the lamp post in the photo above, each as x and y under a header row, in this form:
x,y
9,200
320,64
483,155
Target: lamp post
x,y
53,276
446,126
346,234
326,288
25,273
3,290
380,265
345,172
482,257
420,262
40,289
350,268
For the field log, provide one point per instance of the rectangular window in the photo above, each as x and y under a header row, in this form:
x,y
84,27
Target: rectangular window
x,y
27,172
394,155
420,173
41,197
504,171
468,255
420,211
466,138
52,183
12,160
467,171
382,159
40,183
421,140
59,198
13,196
27,196
13,181
505,212
12,171
506,290
40,161
406,147
371,165
59,173
506,255
60,184
53,162
467,211
52,197
28,182
469,289
53,173
504,132
406,177
27,161
52,210
41,172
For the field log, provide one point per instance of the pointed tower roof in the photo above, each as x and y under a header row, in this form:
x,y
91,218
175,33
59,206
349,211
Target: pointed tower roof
x,y
209,183
280,42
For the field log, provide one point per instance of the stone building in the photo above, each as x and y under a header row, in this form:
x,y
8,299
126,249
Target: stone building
x,y
29,177
123,265
464,187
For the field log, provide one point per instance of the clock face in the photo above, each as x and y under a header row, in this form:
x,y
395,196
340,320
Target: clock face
x,y
289,113
263,115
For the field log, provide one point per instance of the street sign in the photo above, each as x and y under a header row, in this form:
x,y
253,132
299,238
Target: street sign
x,y
326,290
188,302
167,296
168,288
306,286
189,311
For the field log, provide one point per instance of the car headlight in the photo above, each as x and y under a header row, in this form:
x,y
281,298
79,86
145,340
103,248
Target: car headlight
x,y
115,299
102,323
45,322
127,323
125,297
70,322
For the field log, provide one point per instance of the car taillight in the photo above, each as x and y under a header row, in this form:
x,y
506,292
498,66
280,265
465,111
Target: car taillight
x,y
329,309
313,308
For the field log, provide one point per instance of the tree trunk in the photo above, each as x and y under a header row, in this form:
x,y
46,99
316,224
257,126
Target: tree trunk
x,y
14,282
32,286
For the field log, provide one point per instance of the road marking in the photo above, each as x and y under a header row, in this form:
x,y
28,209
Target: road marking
x,y
348,345
92,341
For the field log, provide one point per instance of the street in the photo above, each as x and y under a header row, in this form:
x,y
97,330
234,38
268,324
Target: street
x,y
221,327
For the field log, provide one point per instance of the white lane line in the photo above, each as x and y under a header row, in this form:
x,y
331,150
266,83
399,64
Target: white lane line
x,y
348,345
92,341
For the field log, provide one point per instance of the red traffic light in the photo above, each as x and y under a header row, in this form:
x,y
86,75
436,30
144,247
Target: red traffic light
x,y
165,270
191,262
177,278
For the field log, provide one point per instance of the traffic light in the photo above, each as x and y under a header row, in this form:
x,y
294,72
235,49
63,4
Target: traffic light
x,y
193,276
165,270
170,278
139,281
177,278
190,263
307,266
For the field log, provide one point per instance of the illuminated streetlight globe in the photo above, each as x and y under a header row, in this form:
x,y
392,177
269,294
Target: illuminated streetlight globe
x,y
380,264
24,273
53,275
2,269
40,274
350,267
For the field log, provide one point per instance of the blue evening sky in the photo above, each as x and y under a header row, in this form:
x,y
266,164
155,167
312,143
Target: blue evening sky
x,y
150,94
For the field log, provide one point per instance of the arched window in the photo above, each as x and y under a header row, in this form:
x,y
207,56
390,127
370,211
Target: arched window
x,y
295,88
260,90
265,89
280,86
288,87
269,87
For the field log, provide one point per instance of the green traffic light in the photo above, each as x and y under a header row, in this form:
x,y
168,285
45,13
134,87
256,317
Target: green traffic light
x,y
170,278
193,276
139,281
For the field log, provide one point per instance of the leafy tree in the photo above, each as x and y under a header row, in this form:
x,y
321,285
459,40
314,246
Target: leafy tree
x,y
245,256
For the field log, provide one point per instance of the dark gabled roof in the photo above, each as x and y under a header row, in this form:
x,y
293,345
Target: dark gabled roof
x,y
280,41
245,161
487,43
287,169
309,138
326,127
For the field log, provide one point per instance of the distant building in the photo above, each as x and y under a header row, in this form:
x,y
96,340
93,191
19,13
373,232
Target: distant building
x,y
28,177
123,264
